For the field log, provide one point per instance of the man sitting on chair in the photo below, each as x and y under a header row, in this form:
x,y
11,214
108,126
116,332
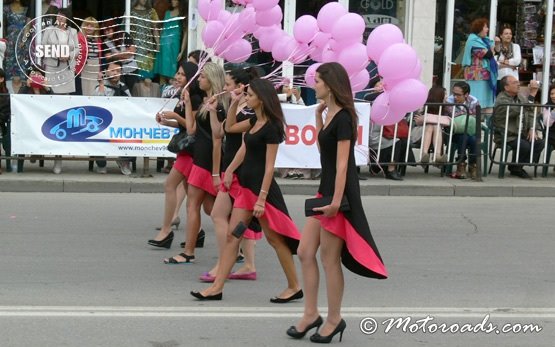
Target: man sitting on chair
x,y
509,95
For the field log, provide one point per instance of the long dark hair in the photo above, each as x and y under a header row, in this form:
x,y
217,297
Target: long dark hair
x,y
3,88
183,8
266,93
436,94
243,76
336,78
549,101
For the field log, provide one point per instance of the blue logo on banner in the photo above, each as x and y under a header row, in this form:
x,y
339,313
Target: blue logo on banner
x,y
77,124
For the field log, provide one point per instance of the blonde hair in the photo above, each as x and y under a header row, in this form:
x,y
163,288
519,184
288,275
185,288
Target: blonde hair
x,y
94,22
215,74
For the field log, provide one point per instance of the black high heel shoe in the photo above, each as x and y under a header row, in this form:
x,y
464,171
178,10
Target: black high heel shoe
x,y
175,223
317,338
164,243
200,240
294,333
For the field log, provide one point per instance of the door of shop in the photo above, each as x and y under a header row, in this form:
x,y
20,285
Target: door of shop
x,y
455,27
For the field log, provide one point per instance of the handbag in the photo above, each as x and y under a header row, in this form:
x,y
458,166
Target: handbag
x,y
181,141
402,130
312,203
460,121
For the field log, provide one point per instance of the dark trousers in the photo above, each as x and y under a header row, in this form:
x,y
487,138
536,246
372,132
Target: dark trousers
x,y
470,145
398,155
524,153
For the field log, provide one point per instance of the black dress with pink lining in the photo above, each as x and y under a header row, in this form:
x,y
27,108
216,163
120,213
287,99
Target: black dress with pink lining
x,y
201,171
360,254
251,176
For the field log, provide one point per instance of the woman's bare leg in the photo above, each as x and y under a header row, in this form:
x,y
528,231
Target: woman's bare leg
x,y
170,201
308,247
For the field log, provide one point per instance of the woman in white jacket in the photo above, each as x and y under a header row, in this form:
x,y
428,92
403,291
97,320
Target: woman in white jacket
x,y
507,54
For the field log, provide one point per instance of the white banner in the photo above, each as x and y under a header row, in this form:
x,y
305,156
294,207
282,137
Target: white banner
x,y
120,126
300,149
89,126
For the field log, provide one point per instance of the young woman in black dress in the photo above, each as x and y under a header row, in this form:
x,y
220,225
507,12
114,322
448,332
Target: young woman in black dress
x,y
259,195
204,178
236,123
341,236
190,101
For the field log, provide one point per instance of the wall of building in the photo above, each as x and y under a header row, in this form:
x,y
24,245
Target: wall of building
x,y
422,35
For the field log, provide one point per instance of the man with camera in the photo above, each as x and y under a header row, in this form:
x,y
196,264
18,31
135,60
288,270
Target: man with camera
x,y
522,130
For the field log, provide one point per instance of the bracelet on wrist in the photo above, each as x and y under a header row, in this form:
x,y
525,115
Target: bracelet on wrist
x,y
260,205
215,175
263,191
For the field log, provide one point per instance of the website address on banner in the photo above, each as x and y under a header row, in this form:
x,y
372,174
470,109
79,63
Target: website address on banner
x,y
428,325
143,148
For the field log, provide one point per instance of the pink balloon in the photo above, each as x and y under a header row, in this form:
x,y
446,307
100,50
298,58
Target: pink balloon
x,y
349,27
339,46
263,5
328,55
353,58
239,2
232,28
269,37
409,95
380,107
360,80
247,20
398,61
222,46
212,33
390,83
269,17
300,53
316,54
320,39
381,38
283,49
310,75
209,9
305,29
239,51
329,14
224,16
261,31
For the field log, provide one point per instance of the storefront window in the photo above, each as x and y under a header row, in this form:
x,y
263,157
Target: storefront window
x,y
377,12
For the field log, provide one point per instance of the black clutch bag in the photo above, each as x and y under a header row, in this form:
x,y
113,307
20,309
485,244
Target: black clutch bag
x,y
310,204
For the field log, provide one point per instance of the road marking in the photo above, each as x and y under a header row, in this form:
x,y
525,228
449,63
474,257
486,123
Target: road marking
x,y
269,311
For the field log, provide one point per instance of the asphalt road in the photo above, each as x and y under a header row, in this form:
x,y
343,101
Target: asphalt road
x,y
75,270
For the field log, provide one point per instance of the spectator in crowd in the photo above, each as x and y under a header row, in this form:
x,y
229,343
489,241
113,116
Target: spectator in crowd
x,y
527,125
287,94
392,148
120,48
5,114
173,40
196,56
91,68
461,95
432,115
480,67
113,87
549,116
146,34
13,23
507,54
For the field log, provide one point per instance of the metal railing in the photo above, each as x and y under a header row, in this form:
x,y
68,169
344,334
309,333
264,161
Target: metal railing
x,y
500,136
445,131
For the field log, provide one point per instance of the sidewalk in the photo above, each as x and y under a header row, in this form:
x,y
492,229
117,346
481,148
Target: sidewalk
x,y
75,178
